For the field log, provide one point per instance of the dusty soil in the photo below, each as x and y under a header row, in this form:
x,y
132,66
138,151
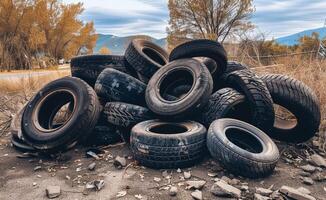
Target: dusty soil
x,y
17,176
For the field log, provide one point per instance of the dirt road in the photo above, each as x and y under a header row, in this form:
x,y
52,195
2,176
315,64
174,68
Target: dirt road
x,y
19,180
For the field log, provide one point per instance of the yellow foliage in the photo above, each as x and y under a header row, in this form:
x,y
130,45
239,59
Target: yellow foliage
x,y
104,51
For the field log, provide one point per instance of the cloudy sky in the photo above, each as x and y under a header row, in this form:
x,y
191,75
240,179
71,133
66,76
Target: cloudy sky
x,y
128,17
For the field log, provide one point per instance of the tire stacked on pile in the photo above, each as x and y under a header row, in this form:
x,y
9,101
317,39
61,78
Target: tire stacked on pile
x,y
171,108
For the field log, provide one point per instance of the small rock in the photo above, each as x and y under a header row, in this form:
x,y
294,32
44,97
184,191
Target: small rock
x,y
222,189
97,185
120,162
260,197
263,191
138,196
187,175
37,168
295,194
308,168
317,160
179,170
226,179
53,191
304,174
165,174
319,177
78,169
91,166
235,181
121,194
34,184
198,195
156,179
195,184
173,191
244,188
304,190
308,181
212,174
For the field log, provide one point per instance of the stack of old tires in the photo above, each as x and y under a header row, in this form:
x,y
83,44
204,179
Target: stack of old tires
x,y
174,108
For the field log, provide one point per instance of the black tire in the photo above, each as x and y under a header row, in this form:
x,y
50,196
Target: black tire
x,y
155,145
179,72
38,128
235,66
105,134
301,101
89,67
219,81
242,148
126,115
226,103
257,95
146,57
202,48
113,85
21,145
16,124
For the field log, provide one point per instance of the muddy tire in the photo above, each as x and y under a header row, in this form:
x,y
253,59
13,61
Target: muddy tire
x,y
225,103
89,67
301,101
38,127
242,148
202,48
21,145
163,145
257,95
176,73
146,57
113,85
126,115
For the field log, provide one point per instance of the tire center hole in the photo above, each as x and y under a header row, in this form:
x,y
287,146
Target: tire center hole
x,y
168,129
54,111
244,140
284,119
174,79
240,111
154,55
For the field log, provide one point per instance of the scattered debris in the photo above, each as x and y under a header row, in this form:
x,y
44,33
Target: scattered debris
x,y
97,185
308,168
195,184
37,168
222,189
120,162
317,160
260,197
173,191
263,191
307,181
156,179
198,195
304,190
92,154
53,191
295,194
187,175
319,177
179,170
121,194
139,196
91,167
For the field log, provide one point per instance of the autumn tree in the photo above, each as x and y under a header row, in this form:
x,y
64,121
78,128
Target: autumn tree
x,y
30,28
209,19
104,51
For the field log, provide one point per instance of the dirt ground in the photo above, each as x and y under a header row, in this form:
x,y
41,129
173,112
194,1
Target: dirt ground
x,y
20,180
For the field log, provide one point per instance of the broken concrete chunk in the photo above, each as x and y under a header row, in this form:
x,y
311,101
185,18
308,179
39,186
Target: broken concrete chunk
x,y
318,161
295,194
308,168
198,195
173,191
53,191
195,184
222,189
120,162
263,191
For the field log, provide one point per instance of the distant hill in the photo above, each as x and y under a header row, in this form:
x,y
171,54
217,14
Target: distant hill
x,y
117,45
294,39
